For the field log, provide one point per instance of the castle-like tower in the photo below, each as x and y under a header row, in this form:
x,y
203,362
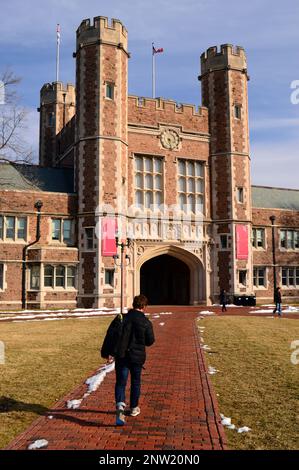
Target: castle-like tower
x,y
127,150
101,144
224,92
57,109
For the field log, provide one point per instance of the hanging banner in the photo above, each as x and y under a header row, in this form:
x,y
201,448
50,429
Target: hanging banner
x,y
242,241
109,229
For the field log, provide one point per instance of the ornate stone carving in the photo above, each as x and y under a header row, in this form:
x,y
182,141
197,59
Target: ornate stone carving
x,y
170,139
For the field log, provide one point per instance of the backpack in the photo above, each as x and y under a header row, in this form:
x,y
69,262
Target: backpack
x,y
113,336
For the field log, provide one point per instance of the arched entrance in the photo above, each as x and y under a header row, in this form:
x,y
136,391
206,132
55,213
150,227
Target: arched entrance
x,y
165,280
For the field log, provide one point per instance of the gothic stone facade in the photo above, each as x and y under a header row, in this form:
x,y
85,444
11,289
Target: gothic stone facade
x,y
122,151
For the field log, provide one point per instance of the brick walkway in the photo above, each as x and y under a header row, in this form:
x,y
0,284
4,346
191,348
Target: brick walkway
x,y
178,406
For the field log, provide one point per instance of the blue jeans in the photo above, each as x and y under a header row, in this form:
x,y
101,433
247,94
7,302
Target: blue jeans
x,y
278,308
122,369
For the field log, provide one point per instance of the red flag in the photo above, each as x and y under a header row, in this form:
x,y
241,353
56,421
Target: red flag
x,y
156,51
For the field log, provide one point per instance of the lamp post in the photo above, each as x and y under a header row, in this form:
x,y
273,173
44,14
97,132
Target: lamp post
x,y
273,218
123,258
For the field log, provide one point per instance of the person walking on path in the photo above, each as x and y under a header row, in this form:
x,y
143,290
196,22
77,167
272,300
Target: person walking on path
x,y
223,300
129,355
278,301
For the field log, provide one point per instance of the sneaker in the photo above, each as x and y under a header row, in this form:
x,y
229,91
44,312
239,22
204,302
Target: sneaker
x,y
120,414
135,411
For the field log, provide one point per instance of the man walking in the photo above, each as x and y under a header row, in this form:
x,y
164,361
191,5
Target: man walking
x,y
130,356
278,301
223,300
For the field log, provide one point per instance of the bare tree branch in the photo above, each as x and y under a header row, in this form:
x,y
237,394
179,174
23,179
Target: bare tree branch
x,y
13,116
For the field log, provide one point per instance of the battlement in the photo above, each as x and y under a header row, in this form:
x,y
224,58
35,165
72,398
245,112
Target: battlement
x,y
152,112
54,91
160,104
100,28
227,56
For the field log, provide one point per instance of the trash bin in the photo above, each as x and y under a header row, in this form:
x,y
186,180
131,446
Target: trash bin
x,y
245,300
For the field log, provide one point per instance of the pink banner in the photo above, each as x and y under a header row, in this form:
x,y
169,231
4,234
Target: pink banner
x,y
109,229
242,241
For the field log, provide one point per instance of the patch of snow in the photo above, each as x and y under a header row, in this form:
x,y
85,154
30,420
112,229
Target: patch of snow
x,y
243,429
39,444
162,324
206,312
156,316
73,404
50,417
206,347
227,422
212,370
166,313
95,381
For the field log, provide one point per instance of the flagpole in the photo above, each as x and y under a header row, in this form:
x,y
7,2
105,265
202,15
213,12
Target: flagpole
x,y
153,73
57,51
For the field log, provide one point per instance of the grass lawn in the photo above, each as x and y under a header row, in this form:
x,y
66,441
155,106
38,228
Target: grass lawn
x,y
258,386
44,361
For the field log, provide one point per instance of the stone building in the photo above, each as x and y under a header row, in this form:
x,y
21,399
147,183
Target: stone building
x,y
172,177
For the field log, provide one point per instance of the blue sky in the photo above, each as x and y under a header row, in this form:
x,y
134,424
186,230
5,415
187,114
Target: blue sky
x,y
267,30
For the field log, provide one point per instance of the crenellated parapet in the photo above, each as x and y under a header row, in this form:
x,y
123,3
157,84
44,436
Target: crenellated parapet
x,y
228,56
58,91
149,111
101,30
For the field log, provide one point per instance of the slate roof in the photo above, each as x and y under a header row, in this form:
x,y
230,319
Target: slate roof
x,y
275,198
36,178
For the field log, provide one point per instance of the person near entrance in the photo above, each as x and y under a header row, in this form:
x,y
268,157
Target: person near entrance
x,y
130,355
223,300
278,301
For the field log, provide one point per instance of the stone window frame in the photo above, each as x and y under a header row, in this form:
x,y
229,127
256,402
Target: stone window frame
x,y
32,266
295,276
241,284
110,270
237,111
110,96
254,239
65,287
221,247
3,287
293,240
61,240
153,173
86,248
3,228
195,178
240,194
255,276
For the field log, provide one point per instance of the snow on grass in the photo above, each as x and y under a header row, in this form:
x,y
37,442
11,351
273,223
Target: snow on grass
x,y
227,422
206,347
244,429
39,444
206,312
212,370
93,384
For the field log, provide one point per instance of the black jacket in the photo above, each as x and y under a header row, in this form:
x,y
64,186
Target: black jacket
x,y
277,297
137,334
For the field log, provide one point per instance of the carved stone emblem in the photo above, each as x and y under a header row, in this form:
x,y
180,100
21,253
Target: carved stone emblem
x,y
170,139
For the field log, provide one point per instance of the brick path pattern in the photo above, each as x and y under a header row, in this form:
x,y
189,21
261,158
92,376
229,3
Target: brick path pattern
x,y
179,408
